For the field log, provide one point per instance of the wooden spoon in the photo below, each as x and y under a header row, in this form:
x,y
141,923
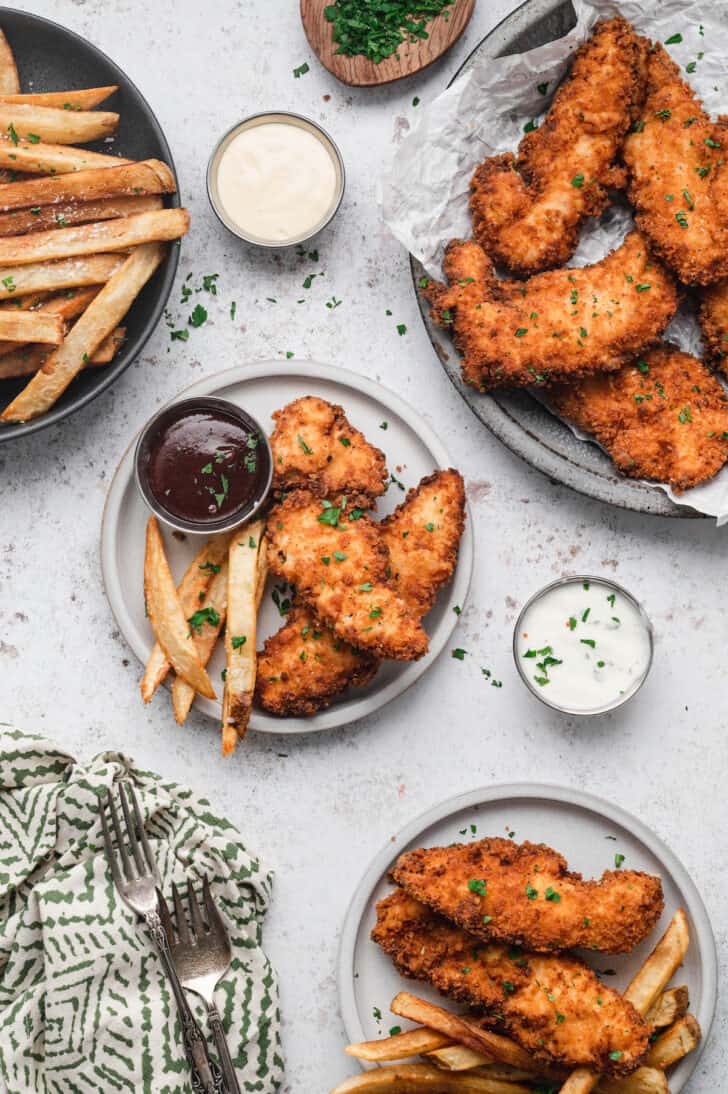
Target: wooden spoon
x,y
410,57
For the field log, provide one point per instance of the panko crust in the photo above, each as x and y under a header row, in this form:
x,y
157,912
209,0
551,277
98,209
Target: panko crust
x,y
713,318
678,181
560,324
554,1006
664,417
316,448
528,209
351,593
612,915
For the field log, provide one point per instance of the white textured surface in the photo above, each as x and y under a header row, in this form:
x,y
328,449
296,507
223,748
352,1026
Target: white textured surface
x,y
317,809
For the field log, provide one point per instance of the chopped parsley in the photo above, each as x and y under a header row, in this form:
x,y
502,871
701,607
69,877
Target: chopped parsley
x,y
238,640
477,886
202,616
459,654
375,30
301,70
578,181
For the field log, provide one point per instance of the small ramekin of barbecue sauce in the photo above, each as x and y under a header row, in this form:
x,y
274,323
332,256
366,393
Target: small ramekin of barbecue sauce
x,y
203,465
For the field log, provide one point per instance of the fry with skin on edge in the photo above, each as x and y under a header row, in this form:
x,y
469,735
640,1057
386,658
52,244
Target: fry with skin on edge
x,y
645,1080
51,159
668,1007
69,273
41,218
96,323
29,359
240,632
680,1039
57,126
399,1046
9,82
66,306
192,590
412,1078
166,615
124,179
84,99
31,326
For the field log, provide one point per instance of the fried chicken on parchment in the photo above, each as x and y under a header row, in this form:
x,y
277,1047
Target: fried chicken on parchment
x,y
559,325
664,417
554,1006
524,894
527,210
678,180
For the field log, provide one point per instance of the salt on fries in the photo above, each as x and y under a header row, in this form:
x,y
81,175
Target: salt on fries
x,y
126,180
48,123
17,281
84,99
462,1056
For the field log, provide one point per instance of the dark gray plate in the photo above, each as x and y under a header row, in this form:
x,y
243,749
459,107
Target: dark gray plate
x,y
515,417
56,59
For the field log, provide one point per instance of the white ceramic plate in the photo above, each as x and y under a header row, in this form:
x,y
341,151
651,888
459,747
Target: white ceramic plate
x,y
588,832
412,451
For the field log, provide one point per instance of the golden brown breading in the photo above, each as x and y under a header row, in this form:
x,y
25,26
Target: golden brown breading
x,y
714,323
664,417
339,567
524,894
558,325
676,185
304,665
527,210
554,1006
423,536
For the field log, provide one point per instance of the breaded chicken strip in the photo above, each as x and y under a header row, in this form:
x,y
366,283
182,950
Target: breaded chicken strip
x,y
525,894
664,417
304,666
339,567
317,449
554,1006
558,325
678,183
714,323
527,210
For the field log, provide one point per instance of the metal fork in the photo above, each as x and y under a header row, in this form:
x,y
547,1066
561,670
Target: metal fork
x,y
202,954
137,882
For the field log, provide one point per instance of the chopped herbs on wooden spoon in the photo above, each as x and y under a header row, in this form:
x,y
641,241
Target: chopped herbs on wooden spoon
x,y
377,28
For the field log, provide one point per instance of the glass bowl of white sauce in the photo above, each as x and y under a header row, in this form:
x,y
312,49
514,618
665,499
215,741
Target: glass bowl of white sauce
x,y
276,179
583,645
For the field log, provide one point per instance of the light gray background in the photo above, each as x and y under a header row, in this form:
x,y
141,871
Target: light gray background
x,y
318,809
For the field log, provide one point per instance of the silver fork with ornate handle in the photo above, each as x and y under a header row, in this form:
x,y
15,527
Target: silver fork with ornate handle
x,y
202,953
137,881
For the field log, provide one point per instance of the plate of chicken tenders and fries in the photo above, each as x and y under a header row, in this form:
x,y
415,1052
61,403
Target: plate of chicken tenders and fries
x,y
475,958
88,219
551,340
343,592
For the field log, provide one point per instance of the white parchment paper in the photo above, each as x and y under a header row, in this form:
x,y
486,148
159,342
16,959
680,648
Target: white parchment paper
x,y
424,189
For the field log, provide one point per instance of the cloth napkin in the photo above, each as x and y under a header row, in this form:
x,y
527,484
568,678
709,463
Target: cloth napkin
x,y
84,1002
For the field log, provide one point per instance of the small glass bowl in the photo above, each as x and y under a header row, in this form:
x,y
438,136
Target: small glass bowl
x,y
265,118
607,583
170,413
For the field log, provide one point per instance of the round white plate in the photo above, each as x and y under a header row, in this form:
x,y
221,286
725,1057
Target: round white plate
x,y
588,831
412,450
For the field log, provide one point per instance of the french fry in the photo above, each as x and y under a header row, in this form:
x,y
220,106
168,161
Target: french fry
x,y
240,632
67,307
182,694
412,1078
460,1058
85,99
97,322
29,359
120,178
668,1007
31,326
87,239
28,121
9,82
399,1046
42,218
645,1080
70,273
192,590
166,615
676,1042
107,350
51,159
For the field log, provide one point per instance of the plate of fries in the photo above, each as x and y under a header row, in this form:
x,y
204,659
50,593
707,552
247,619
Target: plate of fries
x,y
89,217
409,1037
170,591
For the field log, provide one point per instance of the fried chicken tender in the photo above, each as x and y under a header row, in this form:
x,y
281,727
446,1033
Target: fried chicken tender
x,y
714,323
678,184
339,567
316,448
304,666
527,210
560,324
487,887
664,417
554,1006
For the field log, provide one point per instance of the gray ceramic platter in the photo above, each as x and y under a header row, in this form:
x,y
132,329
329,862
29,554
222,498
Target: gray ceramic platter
x,y
518,420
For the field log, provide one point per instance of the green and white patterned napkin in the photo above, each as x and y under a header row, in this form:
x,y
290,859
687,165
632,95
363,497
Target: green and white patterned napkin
x,y
84,1003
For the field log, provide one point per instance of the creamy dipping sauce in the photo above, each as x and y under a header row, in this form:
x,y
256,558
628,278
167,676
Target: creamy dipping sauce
x,y
583,646
277,181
